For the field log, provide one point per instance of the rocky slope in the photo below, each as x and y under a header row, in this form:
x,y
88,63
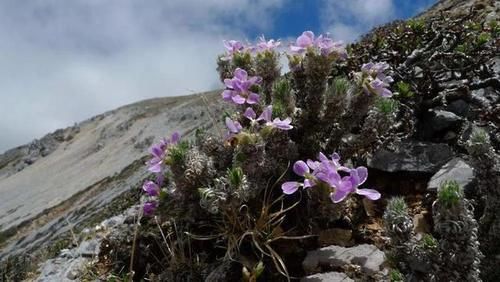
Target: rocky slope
x,y
70,178
67,176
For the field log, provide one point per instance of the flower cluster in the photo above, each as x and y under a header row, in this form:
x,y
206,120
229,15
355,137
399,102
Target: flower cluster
x,y
232,47
266,116
264,45
374,80
265,119
323,43
329,171
157,166
238,88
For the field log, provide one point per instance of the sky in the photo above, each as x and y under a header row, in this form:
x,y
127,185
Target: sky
x,y
63,61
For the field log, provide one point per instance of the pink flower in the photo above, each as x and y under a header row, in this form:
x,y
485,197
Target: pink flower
x,y
238,88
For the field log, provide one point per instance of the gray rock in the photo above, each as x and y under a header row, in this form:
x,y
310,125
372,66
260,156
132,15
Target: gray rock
x,y
327,277
496,65
485,97
89,248
59,269
459,107
368,257
456,169
439,120
412,156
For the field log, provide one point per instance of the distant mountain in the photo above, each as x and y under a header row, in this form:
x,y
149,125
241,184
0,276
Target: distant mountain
x,y
67,176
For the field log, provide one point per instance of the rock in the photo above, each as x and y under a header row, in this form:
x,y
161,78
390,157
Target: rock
x,y
459,107
327,277
336,236
420,223
369,207
456,169
72,275
368,257
89,248
438,120
485,97
412,156
60,269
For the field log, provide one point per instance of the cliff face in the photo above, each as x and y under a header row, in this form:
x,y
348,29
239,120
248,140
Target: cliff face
x,y
69,175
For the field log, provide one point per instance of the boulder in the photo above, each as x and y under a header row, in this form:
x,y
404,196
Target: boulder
x,y
368,257
436,121
459,107
412,156
456,169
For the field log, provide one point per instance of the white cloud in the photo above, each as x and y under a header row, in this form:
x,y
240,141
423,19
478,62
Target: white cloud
x,y
348,19
64,61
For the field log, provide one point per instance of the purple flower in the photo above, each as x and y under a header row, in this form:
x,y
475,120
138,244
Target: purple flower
x,y
290,187
158,152
233,126
281,124
350,184
232,47
374,69
323,43
358,176
373,79
267,114
276,123
238,88
151,188
379,87
303,42
264,45
250,114
327,46
327,171
149,208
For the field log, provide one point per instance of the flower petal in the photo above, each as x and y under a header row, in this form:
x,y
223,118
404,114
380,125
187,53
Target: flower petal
x,y
362,173
369,193
313,164
290,187
149,208
253,98
266,114
250,113
300,168
322,157
339,195
227,94
155,167
237,99
233,126
151,188
240,74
